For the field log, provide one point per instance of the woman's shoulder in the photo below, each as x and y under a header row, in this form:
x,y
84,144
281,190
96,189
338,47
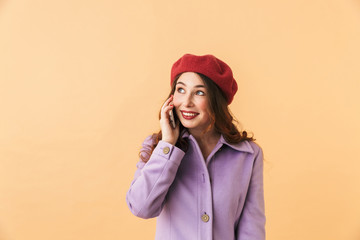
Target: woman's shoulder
x,y
258,151
244,146
255,146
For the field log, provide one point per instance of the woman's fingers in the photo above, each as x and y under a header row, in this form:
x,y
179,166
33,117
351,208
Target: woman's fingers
x,y
167,102
167,107
169,133
165,113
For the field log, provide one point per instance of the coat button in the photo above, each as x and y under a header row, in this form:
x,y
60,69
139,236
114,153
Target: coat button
x,y
166,150
205,217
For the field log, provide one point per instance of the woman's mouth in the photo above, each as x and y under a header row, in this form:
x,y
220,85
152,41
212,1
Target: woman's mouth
x,y
189,115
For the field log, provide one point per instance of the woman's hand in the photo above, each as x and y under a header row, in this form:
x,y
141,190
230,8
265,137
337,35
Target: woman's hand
x,y
169,134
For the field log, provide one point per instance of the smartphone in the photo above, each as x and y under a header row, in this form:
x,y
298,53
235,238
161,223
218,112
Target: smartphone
x,y
172,119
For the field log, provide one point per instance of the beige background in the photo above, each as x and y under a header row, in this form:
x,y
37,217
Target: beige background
x,y
81,84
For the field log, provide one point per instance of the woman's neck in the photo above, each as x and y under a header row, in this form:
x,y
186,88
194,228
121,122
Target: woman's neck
x,y
206,141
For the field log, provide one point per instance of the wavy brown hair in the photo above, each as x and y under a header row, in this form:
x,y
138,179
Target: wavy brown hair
x,y
221,119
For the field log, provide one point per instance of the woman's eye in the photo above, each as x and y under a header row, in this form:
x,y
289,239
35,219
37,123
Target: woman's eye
x,y
180,90
200,93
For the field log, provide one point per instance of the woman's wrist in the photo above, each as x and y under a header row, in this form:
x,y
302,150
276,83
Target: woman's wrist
x,y
172,142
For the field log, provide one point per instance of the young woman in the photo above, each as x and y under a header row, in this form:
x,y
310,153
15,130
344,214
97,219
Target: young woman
x,y
201,178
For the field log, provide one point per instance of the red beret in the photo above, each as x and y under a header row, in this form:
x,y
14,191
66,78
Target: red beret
x,y
210,66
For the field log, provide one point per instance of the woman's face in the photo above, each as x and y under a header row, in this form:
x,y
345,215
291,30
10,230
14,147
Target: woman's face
x,y
191,102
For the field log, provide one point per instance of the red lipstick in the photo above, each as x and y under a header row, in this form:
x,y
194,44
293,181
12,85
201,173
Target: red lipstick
x,y
188,115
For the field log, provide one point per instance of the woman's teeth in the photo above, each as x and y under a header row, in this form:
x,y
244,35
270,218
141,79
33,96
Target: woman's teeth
x,y
189,114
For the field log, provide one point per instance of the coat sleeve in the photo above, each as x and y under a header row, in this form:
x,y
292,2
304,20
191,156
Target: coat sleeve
x,y
251,225
152,180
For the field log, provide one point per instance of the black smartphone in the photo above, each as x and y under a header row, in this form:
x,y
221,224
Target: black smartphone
x,y
172,119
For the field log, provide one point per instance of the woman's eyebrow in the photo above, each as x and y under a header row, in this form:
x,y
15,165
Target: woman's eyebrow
x,y
198,86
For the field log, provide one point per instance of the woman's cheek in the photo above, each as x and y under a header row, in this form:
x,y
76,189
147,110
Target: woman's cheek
x,y
176,101
201,103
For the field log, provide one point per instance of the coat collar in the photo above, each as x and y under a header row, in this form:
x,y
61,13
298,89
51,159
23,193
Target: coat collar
x,y
243,146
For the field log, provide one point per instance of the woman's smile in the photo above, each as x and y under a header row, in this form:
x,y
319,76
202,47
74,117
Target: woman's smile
x,y
188,115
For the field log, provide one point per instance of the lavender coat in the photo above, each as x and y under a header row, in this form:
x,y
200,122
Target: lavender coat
x,y
220,198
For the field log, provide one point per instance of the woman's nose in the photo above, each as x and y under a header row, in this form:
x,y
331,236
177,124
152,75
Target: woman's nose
x,y
188,101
